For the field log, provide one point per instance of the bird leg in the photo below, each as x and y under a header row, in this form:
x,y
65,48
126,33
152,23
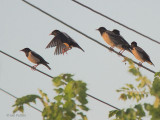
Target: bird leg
x,y
34,67
120,52
69,48
111,49
64,50
140,65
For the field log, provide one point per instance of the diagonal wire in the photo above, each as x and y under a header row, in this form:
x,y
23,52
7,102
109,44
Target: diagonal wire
x,y
53,77
24,63
92,39
16,98
116,22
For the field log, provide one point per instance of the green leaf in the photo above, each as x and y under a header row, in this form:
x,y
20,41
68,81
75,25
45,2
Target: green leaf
x,y
123,97
157,74
120,114
69,105
59,90
131,113
83,107
57,81
147,106
69,90
16,109
44,95
140,112
21,109
112,113
70,114
67,77
157,102
135,71
155,90
58,98
130,86
82,115
26,99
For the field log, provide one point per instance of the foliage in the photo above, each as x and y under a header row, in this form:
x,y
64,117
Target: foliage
x,y
153,112
155,90
138,92
131,92
24,100
135,113
70,100
143,89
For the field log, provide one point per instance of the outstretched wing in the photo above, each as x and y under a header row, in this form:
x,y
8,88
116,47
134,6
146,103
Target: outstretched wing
x,y
71,41
57,40
59,49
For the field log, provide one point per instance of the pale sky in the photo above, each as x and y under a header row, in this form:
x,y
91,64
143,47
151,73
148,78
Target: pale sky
x,y
104,72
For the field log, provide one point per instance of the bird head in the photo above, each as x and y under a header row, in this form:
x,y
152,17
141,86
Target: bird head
x,y
101,29
115,31
55,32
26,50
133,44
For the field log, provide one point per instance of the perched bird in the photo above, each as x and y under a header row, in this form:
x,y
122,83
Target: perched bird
x,y
63,42
35,58
114,39
140,54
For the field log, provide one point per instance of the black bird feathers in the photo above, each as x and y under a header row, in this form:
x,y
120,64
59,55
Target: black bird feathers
x,y
63,42
35,58
114,39
140,54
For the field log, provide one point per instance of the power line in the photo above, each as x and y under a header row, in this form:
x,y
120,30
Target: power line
x,y
24,63
16,98
52,78
82,33
116,22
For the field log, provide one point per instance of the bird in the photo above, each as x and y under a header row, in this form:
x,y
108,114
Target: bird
x,y
35,58
114,39
63,42
140,54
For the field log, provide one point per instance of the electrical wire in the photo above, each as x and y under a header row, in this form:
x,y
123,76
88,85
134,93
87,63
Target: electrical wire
x,y
129,28
85,36
92,39
16,98
24,63
53,77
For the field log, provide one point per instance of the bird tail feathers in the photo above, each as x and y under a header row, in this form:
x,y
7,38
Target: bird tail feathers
x,y
81,48
47,66
150,62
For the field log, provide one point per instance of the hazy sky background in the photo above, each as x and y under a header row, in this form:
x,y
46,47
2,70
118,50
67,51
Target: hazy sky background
x,y
23,26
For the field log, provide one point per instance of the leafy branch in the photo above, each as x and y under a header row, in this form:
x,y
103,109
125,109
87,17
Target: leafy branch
x,y
135,92
131,92
70,100
142,90
135,113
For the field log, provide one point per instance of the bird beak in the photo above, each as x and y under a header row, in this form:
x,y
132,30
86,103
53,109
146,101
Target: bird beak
x,y
50,34
97,29
21,50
